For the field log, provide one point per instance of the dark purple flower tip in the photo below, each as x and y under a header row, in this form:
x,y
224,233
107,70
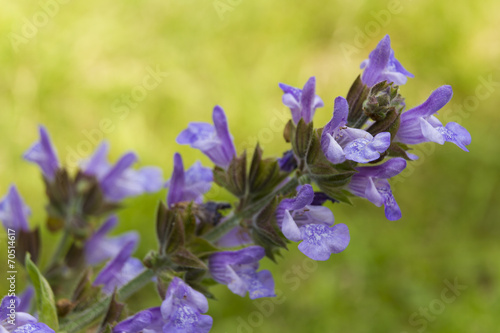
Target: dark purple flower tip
x,y
149,320
320,198
381,65
182,309
120,270
238,270
99,247
121,181
287,163
214,141
44,154
302,103
190,185
14,212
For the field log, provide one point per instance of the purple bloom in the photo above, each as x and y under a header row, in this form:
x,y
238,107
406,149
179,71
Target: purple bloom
x,y
15,321
100,247
13,211
237,236
420,125
340,142
181,312
381,65
189,185
287,163
44,154
299,220
120,270
238,270
120,180
215,141
303,103
371,183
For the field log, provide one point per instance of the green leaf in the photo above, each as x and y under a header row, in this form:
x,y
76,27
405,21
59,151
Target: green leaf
x,y
45,303
201,247
265,174
186,259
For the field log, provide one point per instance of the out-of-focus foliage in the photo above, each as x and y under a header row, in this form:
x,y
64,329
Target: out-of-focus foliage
x,y
72,71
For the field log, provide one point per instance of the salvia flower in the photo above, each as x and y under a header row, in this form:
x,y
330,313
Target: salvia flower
x,y
13,211
44,154
120,180
188,185
381,65
100,247
120,270
181,312
302,102
371,183
12,320
299,220
238,270
215,141
340,142
420,125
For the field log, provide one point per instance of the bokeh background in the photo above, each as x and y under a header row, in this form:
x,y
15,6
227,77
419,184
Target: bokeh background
x,y
73,67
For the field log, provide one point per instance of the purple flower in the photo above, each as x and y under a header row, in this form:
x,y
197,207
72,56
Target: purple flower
x,y
189,185
120,180
420,125
287,163
13,211
181,312
100,247
301,221
238,270
303,103
120,270
44,154
237,236
213,140
371,183
381,65
15,321
340,142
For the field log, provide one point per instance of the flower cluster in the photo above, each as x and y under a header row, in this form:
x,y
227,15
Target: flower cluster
x,y
202,242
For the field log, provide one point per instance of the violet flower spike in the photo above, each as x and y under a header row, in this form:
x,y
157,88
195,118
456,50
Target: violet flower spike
x,y
100,247
371,183
381,65
188,185
340,142
120,270
215,141
23,322
299,220
14,212
180,312
238,270
302,102
120,180
420,125
44,154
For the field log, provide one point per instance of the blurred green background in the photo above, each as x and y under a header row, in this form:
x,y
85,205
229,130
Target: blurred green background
x,y
69,65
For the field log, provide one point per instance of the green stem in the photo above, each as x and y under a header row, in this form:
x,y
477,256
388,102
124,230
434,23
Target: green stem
x,y
224,227
79,321
61,250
